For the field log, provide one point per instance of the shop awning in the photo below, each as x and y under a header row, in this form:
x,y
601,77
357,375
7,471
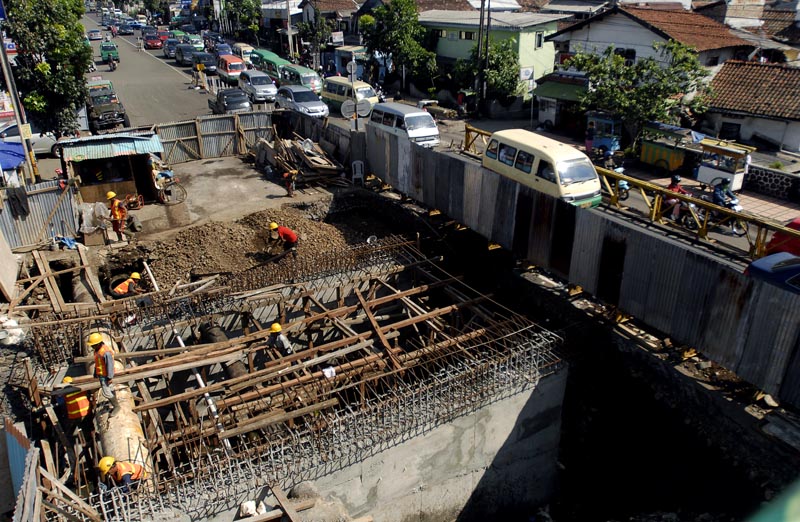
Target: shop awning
x,y
110,146
12,155
560,91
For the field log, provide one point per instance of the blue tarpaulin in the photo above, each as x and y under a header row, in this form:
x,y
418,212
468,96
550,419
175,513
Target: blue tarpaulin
x,y
12,155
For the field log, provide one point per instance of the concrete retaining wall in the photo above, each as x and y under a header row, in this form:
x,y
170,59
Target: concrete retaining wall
x,y
499,459
775,183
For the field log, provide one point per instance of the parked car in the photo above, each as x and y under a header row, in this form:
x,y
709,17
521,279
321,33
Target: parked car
x,y
94,34
301,99
783,242
42,143
125,29
169,47
163,35
258,86
781,269
152,41
208,61
183,54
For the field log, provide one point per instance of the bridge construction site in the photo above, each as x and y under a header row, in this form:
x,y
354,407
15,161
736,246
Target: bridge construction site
x,y
387,347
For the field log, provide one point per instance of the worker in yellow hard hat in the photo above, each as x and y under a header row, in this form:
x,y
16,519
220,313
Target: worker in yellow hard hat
x,y
284,235
119,214
76,407
124,475
128,287
104,368
278,340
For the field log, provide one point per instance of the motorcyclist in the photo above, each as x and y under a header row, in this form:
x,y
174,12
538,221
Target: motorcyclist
x,y
722,193
675,203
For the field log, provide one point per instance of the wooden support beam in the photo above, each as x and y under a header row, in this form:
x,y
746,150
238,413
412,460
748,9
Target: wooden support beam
x,y
52,289
270,419
73,499
377,328
277,514
280,496
91,278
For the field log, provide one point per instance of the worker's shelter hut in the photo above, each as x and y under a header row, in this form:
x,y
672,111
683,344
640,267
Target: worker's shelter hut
x,y
112,162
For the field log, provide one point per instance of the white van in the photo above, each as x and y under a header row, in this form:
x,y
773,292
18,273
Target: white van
x,y
142,19
403,120
242,50
104,11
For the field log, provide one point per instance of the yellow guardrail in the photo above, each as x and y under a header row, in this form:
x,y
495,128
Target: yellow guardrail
x,y
758,229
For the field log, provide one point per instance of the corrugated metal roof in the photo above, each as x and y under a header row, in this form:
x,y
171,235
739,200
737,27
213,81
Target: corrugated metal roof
x,y
499,21
111,145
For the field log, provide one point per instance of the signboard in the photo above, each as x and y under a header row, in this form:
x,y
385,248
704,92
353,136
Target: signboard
x,y
337,38
526,73
25,131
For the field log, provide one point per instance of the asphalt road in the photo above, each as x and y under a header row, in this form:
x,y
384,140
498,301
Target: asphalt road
x,y
150,86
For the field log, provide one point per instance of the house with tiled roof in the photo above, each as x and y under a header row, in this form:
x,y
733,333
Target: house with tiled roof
x,y
339,12
756,102
778,20
632,31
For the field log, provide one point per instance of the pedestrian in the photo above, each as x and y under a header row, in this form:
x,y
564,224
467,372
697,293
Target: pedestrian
x,y
104,368
77,408
119,215
125,475
285,235
589,138
278,340
747,161
129,287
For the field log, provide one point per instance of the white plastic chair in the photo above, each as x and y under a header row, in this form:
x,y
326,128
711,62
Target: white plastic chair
x,y
358,172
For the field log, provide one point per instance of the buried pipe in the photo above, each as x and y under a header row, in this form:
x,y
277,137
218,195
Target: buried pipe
x,y
121,435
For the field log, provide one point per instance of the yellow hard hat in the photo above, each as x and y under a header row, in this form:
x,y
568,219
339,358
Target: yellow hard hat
x,y
67,380
95,338
111,194
104,465
273,226
275,328
136,275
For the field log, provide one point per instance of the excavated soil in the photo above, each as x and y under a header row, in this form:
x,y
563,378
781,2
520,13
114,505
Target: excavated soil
x,y
218,247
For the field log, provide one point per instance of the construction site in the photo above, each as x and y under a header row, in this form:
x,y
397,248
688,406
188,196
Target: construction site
x,y
431,376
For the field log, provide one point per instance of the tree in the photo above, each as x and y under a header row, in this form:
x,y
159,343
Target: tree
x,y
316,32
51,61
501,73
244,13
647,90
394,30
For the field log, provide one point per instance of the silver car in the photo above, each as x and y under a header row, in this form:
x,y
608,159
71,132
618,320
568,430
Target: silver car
x,y
301,99
258,86
42,142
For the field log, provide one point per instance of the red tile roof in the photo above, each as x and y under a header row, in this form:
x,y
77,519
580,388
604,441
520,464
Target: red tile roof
x,y
769,90
692,29
778,24
444,5
330,6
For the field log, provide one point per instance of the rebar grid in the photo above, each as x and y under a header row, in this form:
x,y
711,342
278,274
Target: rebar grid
x,y
319,445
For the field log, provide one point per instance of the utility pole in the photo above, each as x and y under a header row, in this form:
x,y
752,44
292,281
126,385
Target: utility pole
x,y
289,29
479,76
482,95
19,115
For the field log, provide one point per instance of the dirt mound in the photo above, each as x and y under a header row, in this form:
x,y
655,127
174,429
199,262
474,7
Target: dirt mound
x,y
233,247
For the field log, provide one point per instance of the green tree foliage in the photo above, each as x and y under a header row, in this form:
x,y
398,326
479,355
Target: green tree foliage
x,y
243,13
316,32
501,73
649,89
52,59
394,30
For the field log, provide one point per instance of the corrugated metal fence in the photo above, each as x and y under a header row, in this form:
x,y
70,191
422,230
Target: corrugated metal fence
x,y
50,211
747,326
21,460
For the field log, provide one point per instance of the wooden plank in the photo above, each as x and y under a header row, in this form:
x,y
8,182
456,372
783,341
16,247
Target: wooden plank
x,y
277,514
280,496
47,455
36,282
62,512
52,289
75,499
91,278
269,420
377,328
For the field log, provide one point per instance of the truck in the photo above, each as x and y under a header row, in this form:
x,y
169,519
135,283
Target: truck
x,y
229,101
104,109
109,51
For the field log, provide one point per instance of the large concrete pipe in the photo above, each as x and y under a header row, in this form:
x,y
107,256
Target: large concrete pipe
x,y
121,435
213,333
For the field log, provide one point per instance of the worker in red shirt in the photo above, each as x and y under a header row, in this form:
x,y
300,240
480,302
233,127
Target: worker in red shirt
x,y
285,235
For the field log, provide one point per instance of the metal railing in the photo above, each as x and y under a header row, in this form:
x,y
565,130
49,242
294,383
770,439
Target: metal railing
x,y
707,215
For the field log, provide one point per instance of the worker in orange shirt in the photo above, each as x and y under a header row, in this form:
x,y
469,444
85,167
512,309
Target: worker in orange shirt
x,y
119,215
125,475
78,407
129,287
104,368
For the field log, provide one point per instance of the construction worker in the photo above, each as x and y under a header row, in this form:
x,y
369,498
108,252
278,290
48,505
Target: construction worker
x,y
104,368
129,287
290,177
77,408
125,475
278,340
285,235
119,215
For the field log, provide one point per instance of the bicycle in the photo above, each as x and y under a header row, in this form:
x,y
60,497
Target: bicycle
x,y
170,191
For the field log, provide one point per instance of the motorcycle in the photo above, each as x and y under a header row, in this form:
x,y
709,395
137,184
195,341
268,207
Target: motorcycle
x,y
112,64
92,67
737,226
380,93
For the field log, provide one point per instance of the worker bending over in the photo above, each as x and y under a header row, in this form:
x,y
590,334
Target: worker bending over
x,y
77,406
104,368
125,475
285,235
278,340
129,287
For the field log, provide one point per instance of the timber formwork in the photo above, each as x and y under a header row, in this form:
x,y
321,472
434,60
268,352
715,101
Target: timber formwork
x,y
387,345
